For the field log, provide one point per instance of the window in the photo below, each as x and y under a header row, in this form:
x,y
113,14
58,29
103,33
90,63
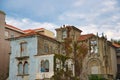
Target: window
x,y
46,48
64,34
44,66
6,33
93,46
23,47
20,68
25,70
12,35
47,66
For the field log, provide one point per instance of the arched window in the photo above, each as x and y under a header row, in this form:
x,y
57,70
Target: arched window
x,y
20,68
42,66
46,66
25,68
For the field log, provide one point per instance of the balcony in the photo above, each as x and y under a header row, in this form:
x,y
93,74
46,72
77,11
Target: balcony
x,y
22,57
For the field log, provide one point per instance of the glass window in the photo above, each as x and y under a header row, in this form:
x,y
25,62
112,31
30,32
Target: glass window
x,y
20,68
93,46
44,66
25,68
23,47
64,34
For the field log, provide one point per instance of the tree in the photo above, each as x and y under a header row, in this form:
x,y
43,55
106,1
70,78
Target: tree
x,y
79,51
61,74
73,50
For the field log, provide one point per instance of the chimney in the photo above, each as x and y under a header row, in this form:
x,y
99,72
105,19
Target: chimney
x,y
63,26
2,18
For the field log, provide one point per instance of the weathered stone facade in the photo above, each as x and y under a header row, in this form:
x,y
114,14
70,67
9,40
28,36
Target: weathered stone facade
x,y
101,56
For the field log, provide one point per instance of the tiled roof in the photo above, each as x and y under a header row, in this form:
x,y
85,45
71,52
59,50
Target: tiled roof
x,y
14,28
32,33
31,30
116,45
85,37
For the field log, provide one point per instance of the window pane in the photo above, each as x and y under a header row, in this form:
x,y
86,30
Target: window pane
x,y
47,66
23,49
26,68
42,66
64,34
20,68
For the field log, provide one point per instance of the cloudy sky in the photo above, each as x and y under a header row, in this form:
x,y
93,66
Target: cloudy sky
x,y
91,16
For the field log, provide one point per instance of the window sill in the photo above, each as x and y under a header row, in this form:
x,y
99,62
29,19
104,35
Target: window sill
x,y
22,57
23,75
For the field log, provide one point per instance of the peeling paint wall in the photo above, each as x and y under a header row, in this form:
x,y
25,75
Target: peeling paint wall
x,y
15,52
32,57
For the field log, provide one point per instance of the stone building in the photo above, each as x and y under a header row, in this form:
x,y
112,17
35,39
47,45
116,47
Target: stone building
x,y
117,48
101,57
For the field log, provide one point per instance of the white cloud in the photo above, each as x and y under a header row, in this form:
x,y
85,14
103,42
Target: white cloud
x,y
92,15
78,3
29,24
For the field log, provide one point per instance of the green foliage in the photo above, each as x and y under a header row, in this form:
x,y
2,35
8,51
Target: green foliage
x,y
96,77
61,58
62,75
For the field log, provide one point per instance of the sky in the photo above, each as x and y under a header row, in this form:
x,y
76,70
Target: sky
x,y
90,16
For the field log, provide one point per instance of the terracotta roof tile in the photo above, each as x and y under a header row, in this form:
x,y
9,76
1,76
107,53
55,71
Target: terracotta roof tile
x,y
115,45
14,28
32,33
31,30
85,37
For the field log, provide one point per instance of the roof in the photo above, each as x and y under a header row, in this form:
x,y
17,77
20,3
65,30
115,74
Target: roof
x,y
85,37
116,45
14,28
31,30
32,33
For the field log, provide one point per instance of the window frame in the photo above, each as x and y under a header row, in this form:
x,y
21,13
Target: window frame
x,y
20,68
23,49
24,68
